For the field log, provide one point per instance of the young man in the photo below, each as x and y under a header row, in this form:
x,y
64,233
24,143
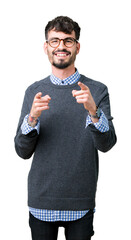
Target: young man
x,y
65,120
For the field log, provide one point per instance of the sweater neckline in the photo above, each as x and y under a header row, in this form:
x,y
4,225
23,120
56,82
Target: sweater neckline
x,y
48,82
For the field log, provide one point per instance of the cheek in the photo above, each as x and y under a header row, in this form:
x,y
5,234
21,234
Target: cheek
x,y
49,53
49,50
50,56
74,53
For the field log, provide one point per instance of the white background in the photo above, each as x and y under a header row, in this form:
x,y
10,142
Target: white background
x,y
105,56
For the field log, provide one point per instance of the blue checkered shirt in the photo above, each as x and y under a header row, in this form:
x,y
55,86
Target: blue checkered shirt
x,y
101,125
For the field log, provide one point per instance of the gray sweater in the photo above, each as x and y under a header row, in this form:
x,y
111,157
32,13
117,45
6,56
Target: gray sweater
x,y
64,170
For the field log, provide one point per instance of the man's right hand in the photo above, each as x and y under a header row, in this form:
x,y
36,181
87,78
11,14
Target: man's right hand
x,y
39,104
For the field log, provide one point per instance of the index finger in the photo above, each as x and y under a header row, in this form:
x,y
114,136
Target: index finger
x,y
82,86
38,95
46,98
78,92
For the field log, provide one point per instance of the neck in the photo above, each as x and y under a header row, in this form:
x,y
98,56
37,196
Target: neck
x,y
63,73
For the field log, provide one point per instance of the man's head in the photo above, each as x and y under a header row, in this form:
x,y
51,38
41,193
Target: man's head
x,y
62,35
63,24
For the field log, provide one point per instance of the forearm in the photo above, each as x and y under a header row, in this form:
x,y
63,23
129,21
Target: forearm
x,y
103,141
25,144
26,138
103,132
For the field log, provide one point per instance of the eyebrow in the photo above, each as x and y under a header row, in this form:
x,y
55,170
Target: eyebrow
x,y
61,38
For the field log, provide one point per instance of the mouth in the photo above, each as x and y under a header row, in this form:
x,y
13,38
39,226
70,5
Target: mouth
x,y
61,54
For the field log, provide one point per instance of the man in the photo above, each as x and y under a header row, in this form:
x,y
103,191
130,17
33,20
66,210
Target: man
x,y
65,120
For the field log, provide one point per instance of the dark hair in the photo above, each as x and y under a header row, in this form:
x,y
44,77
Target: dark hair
x,y
63,24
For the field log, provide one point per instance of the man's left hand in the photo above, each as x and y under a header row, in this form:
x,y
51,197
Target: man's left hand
x,y
84,96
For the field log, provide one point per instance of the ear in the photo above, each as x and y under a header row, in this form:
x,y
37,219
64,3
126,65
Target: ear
x,y
45,47
78,47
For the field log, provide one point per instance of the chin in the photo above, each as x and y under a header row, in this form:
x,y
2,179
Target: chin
x,y
61,65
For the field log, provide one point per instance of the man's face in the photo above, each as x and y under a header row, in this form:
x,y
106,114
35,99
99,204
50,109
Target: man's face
x,y
61,56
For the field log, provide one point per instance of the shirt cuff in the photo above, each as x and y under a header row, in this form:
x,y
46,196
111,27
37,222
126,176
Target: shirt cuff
x,y
26,128
102,125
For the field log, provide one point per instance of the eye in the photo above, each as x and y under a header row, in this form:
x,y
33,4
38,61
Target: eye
x,y
54,41
68,40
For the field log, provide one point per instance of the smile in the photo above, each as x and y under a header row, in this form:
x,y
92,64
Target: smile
x,y
61,54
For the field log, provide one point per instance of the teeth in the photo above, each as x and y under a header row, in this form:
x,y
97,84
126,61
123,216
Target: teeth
x,y
61,54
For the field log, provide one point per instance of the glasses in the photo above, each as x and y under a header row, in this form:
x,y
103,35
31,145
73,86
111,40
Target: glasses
x,y
55,42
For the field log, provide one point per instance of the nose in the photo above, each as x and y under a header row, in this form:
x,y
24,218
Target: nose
x,y
61,45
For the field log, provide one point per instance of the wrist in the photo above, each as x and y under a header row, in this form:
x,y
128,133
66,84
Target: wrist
x,y
95,114
31,118
32,121
92,112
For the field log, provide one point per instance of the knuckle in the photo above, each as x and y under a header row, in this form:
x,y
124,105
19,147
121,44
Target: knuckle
x,y
44,98
35,104
38,109
35,100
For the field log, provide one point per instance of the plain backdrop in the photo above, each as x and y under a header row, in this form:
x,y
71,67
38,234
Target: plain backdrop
x,y
105,56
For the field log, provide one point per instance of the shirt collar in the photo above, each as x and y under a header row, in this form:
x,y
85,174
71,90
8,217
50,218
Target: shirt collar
x,y
67,81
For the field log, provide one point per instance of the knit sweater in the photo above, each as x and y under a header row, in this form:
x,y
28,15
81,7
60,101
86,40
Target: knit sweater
x,y
64,149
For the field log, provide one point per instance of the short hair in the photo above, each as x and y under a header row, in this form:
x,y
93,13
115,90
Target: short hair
x,y
63,24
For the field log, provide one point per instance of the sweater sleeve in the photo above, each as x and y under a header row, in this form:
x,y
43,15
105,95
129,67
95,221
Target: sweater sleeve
x,y
101,125
106,140
25,144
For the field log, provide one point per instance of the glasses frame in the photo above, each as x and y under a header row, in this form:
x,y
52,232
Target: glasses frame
x,y
64,40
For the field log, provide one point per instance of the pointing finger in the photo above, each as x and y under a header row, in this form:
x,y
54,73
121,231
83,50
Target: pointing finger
x,y
80,92
46,98
82,86
38,95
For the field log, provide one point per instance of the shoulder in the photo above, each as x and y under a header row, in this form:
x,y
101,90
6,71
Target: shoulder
x,y
93,84
36,86
98,89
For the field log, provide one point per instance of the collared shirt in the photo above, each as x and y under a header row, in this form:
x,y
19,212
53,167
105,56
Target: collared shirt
x,y
67,81
101,125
